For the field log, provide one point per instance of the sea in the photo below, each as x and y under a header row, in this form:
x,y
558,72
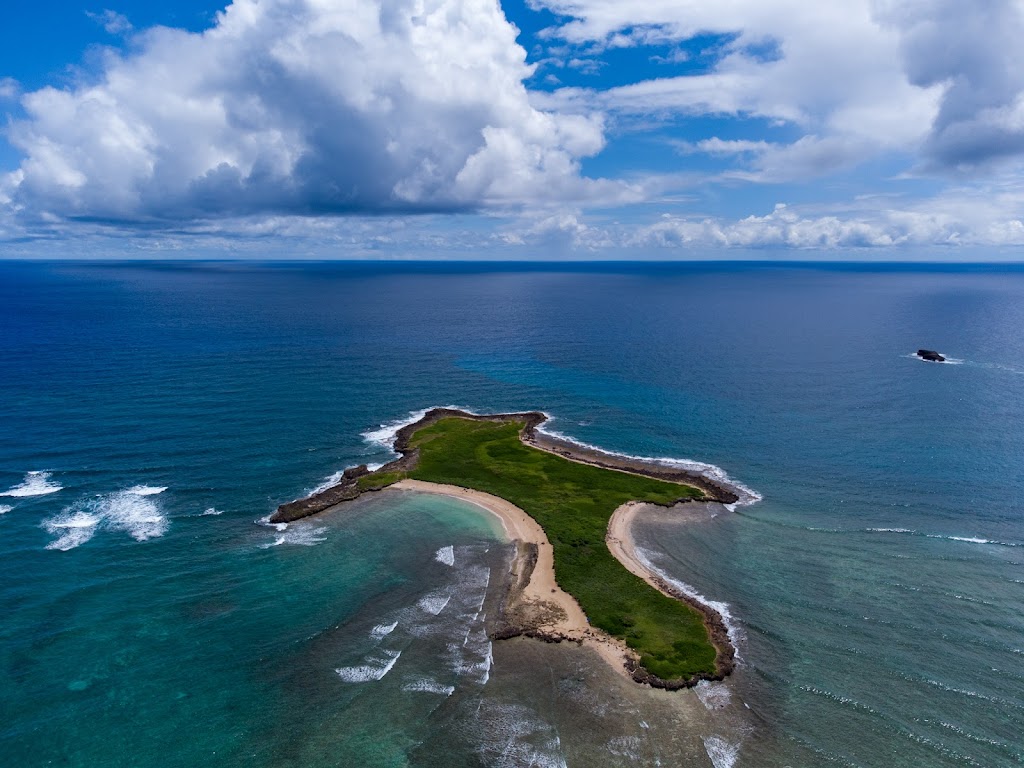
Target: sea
x,y
152,416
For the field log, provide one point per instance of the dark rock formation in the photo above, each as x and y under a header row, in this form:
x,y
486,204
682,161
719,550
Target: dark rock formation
x,y
930,355
346,488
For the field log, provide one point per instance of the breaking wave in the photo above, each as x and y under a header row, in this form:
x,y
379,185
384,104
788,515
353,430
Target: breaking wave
x,y
384,436
374,668
329,482
5,508
147,490
723,753
446,555
298,535
426,685
72,528
383,630
34,484
434,604
945,537
211,511
129,511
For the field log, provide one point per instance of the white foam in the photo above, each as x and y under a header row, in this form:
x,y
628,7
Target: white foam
x,y
383,630
298,535
384,436
948,361
434,604
34,484
973,540
72,527
123,511
712,472
487,664
721,608
211,511
965,539
146,490
5,508
426,685
446,555
373,670
134,514
330,482
723,753
713,695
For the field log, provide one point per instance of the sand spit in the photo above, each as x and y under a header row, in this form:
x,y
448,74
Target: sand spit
x,y
533,605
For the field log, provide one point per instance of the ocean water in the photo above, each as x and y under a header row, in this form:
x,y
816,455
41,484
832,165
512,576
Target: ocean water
x,y
151,415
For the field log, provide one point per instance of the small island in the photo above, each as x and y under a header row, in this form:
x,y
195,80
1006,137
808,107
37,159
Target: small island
x,y
576,576
930,355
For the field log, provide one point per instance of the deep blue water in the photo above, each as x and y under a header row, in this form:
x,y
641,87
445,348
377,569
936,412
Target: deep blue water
x,y
877,589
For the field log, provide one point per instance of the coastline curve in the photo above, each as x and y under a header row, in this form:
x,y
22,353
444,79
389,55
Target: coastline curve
x,y
535,605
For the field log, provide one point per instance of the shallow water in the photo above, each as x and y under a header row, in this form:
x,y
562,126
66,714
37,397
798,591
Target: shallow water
x,y
150,619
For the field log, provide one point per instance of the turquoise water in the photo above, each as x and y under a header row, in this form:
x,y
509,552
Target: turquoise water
x,y
876,591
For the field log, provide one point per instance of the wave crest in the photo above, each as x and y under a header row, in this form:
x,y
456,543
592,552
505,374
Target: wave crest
x,y
34,484
374,668
126,511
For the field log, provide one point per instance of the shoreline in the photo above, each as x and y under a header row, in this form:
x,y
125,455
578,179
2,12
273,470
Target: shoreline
x,y
534,604
348,486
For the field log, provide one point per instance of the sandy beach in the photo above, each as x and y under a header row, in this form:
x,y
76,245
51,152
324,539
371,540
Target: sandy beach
x,y
567,619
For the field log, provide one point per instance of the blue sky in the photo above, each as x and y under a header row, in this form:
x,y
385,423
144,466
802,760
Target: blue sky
x,y
675,129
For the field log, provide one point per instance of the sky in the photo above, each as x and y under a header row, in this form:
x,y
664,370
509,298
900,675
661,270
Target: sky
x,y
530,129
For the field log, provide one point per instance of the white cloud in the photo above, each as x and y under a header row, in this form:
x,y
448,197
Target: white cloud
x,y
974,52
308,107
112,22
831,62
9,88
942,79
961,218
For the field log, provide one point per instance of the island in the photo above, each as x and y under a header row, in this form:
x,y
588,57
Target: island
x,y
576,575
930,355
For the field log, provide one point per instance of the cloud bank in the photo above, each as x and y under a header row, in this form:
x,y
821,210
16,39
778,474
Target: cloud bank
x,y
329,121
302,107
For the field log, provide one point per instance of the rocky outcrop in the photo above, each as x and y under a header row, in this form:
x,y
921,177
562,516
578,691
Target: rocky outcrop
x,y
347,488
930,355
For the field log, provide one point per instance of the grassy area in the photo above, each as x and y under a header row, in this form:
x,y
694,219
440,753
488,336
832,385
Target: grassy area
x,y
378,480
573,502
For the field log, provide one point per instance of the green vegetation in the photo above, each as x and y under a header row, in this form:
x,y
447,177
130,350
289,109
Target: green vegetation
x,y
377,480
573,503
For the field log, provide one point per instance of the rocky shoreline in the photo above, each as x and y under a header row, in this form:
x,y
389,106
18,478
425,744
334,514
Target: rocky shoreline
x,y
348,487
518,616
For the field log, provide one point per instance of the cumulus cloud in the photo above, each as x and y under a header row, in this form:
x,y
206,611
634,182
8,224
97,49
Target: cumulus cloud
x,y
942,80
833,66
974,52
304,107
961,218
